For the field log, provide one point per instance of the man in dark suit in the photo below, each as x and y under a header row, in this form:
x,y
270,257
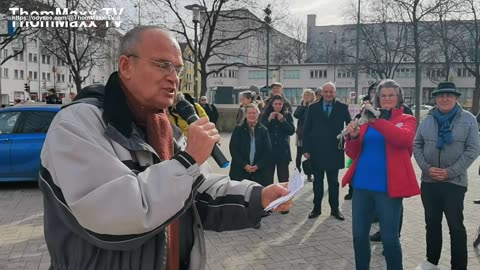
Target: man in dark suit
x,y
324,121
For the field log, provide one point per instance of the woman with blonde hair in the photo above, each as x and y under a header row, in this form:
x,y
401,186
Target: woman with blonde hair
x,y
250,147
300,113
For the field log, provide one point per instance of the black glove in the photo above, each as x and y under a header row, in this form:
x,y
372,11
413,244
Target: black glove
x,y
385,114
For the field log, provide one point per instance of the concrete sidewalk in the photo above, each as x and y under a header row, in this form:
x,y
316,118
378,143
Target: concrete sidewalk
x,y
283,242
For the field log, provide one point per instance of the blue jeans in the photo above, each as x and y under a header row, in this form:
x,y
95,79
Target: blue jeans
x,y
365,204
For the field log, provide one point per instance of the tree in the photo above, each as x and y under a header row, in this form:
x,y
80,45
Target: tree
x,y
223,26
415,11
78,47
468,44
19,38
383,37
442,33
295,49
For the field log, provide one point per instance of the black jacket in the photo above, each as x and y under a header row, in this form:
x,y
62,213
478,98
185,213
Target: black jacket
x,y
280,133
320,134
300,113
240,151
211,111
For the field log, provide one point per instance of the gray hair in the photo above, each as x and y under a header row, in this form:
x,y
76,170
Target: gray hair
x,y
132,38
331,84
248,94
388,83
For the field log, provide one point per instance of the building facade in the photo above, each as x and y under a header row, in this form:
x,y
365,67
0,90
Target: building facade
x,y
41,70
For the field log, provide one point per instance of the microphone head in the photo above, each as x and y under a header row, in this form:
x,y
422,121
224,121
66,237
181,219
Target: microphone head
x,y
185,109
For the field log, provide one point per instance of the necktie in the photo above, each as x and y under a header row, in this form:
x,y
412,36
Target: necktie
x,y
327,110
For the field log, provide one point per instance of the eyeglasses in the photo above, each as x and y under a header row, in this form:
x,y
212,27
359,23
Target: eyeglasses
x,y
164,66
388,96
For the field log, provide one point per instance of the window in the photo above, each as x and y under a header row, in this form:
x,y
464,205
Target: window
x,y
35,58
44,57
5,73
291,74
15,74
21,74
63,77
345,74
48,59
463,72
35,122
58,77
19,56
318,73
44,76
35,75
30,74
30,57
70,78
48,76
405,73
8,121
258,74
436,73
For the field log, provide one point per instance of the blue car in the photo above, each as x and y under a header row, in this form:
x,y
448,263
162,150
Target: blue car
x,y
22,132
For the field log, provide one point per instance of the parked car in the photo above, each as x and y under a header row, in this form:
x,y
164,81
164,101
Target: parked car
x,y
22,132
424,109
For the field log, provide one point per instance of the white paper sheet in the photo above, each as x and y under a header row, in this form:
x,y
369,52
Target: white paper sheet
x,y
295,184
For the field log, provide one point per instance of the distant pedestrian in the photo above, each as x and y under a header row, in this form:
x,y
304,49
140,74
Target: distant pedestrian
x,y
52,97
324,121
301,113
246,97
279,122
277,90
250,149
210,109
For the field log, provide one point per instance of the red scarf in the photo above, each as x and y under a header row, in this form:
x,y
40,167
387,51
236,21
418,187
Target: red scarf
x,y
160,137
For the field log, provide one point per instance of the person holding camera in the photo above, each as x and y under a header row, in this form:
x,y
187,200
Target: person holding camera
x,y
279,122
381,174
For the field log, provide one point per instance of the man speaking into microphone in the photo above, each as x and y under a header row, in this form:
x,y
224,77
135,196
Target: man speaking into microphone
x,y
119,193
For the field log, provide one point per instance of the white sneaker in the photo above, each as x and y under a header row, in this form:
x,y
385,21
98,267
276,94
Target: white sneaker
x,y
426,265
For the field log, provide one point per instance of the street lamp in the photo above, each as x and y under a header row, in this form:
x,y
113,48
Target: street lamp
x,y
335,59
357,52
268,21
196,9
138,6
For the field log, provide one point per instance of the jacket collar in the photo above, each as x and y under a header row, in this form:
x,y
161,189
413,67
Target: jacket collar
x,y
115,109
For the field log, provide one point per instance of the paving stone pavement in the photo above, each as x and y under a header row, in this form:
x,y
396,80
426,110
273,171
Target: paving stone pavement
x,y
283,242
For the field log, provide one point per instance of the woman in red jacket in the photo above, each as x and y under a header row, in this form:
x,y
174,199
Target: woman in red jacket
x,y
381,174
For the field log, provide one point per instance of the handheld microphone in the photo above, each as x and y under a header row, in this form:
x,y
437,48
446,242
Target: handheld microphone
x,y
367,111
186,110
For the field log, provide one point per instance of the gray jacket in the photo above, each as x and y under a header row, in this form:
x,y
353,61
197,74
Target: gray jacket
x,y
455,157
108,197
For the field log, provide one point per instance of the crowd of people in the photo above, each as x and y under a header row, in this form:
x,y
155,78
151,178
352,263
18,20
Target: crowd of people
x,y
121,191
381,172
